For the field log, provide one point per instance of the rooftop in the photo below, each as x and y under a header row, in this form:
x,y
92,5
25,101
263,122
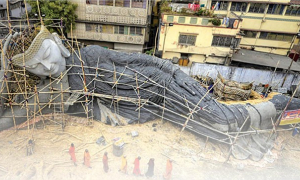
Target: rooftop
x,y
264,59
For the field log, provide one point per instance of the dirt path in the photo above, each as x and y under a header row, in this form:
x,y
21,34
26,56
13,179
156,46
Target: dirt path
x,y
194,159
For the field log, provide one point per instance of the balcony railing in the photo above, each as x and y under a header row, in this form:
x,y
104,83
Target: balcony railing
x,y
113,14
81,34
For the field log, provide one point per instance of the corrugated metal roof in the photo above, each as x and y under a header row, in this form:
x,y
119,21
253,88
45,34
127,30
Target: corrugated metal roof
x,y
264,59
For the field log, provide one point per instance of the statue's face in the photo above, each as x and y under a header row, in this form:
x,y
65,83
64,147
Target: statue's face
x,y
48,61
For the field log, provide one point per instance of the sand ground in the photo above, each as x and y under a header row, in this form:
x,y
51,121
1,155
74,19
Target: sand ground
x,y
194,157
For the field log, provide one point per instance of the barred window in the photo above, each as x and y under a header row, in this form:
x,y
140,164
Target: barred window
x,y
170,19
221,5
238,6
292,11
193,20
139,4
250,34
121,30
106,2
88,27
275,9
276,36
225,41
136,31
122,3
257,7
181,20
91,2
187,39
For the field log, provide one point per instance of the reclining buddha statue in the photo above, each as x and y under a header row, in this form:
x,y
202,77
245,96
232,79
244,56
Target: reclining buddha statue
x,y
123,88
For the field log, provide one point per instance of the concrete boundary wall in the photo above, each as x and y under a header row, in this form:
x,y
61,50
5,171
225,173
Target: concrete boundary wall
x,y
242,74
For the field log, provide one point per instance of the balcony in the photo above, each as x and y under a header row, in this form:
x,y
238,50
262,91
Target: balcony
x,y
82,34
112,14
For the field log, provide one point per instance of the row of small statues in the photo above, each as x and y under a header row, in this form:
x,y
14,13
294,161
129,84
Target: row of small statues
x,y
123,168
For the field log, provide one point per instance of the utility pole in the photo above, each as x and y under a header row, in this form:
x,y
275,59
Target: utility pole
x,y
165,35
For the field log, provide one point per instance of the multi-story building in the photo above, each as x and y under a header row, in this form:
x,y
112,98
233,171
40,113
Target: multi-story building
x,y
185,35
116,24
269,25
16,9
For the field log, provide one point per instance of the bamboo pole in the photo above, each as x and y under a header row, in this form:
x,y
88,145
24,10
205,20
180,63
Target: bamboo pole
x,y
271,80
7,87
84,80
235,139
279,118
38,103
138,93
38,6
191,113
163,112
27,18
8,16
62,105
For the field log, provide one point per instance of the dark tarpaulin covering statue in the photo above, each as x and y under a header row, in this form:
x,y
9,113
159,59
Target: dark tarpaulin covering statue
x,y
124,88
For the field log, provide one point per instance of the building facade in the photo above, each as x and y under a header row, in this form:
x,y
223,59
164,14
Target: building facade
x,y
116,24
268,25
197,39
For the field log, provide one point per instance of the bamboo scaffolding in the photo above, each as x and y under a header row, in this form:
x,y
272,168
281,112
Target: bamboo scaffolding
x,y
230,138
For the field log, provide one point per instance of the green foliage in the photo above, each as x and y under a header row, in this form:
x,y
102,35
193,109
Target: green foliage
x,y
150,52
216,22
204,12
200,12
183,10
59,9
164,6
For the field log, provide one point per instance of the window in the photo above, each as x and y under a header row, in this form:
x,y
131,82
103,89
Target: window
x,y
238,6
225,41
204,21
193,20
187,39
136,31
219,5
88,27
257,7
106,29
98,28
292,11
91,2
181,20
139,4
121,30
250,34
122,3
106,2
275,9
170,19
276,36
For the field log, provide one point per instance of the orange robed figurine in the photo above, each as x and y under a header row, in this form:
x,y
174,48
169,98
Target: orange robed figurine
x,y
136,169
72,154
87,158
169,168
124,165
105,162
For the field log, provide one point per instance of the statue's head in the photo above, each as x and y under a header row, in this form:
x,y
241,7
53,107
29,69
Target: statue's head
x,y
44,52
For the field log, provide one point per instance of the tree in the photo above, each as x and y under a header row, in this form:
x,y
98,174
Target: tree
x,y
54,11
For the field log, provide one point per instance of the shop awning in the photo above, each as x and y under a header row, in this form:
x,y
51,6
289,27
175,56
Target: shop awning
x,y
264,59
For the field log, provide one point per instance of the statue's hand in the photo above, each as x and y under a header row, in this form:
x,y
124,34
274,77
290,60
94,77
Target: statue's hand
x,y
184,81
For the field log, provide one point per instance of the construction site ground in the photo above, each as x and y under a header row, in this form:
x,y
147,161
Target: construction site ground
x,y
194,157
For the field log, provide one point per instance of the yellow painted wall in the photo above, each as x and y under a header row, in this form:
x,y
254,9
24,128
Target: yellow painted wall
x,y
203,42
271,23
